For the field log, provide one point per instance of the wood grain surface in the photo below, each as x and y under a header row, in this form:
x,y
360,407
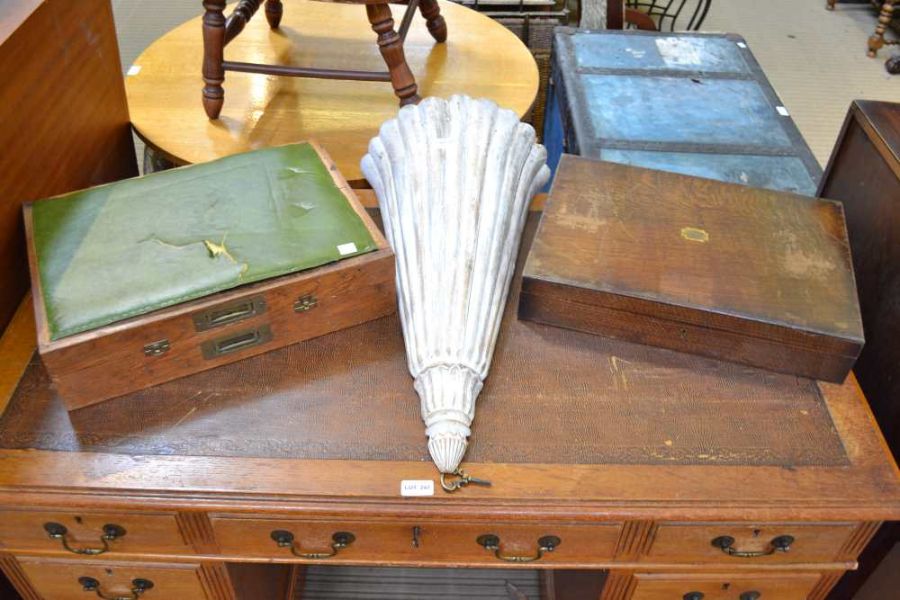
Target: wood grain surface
x,y
67,126
864,174
747,275
260,110
723,586
58,579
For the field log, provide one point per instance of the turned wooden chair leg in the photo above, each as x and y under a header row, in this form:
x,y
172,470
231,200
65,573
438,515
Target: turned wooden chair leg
x,y
213,55
829,4
876,42
274,10
437,26
391,47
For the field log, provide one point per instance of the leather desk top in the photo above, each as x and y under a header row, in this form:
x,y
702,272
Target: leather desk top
x,y
551,396
568,424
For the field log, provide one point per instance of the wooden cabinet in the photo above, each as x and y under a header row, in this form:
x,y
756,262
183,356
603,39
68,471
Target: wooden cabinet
x,y
90,533
69,580
727,586
864,174
750,543
65,125
423,542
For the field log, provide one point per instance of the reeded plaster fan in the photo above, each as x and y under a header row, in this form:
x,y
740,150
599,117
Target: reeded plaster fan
x,y
454,179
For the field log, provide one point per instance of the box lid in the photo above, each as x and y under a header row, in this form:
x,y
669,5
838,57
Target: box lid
x,y
765,264
128,248
692,103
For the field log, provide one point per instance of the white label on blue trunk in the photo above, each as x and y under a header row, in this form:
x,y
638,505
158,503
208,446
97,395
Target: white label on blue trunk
x,y
782,111
417,487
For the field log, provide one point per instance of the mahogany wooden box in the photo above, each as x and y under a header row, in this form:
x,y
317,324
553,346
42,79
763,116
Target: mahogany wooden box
x,y
751,276
218,328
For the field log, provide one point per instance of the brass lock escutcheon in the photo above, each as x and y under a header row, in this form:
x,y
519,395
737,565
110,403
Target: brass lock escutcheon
x,y
547,543
305,303
138,587
339,541
725,543
226,314
236,342
58,531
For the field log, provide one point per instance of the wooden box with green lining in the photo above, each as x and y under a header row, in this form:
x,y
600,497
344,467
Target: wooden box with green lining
x,y
146,280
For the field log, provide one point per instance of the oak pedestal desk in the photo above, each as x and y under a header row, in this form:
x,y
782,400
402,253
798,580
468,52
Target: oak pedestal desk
x,y
677,476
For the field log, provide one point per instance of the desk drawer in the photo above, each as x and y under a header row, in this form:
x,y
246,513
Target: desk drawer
x,y
83,532
430,542
83,579
749,543
724,587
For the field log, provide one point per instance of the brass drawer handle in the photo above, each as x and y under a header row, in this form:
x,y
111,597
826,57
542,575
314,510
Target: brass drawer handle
x,y
58,531
339,541
230,313
725,543
491,542
138,587
693,596
754,595
234,343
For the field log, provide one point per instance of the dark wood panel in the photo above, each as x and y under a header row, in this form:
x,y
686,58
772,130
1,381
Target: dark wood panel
x,y
11,576
864,174
66,126
266,582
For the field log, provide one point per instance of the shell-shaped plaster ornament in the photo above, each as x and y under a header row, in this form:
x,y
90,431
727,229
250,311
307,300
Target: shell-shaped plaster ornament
x,y
454,179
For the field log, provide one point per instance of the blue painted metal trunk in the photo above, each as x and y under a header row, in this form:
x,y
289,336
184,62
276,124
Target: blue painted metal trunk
x,y
697,104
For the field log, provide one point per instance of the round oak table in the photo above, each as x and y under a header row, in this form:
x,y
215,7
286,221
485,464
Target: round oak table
x,y
480,58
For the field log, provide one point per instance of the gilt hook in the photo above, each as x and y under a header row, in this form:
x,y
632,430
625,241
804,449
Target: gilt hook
x,y
460,480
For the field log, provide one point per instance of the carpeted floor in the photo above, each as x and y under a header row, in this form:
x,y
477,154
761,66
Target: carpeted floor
x,y
816,60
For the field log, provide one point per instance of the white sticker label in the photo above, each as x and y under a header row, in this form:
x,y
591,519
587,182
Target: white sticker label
x,y
782,111
741,44
417,487
348,248
133,70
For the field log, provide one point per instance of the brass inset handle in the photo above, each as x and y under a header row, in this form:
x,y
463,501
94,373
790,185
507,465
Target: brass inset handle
x,y
58,531
339,541
754,595
693,596
138,587
491,542
725,543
